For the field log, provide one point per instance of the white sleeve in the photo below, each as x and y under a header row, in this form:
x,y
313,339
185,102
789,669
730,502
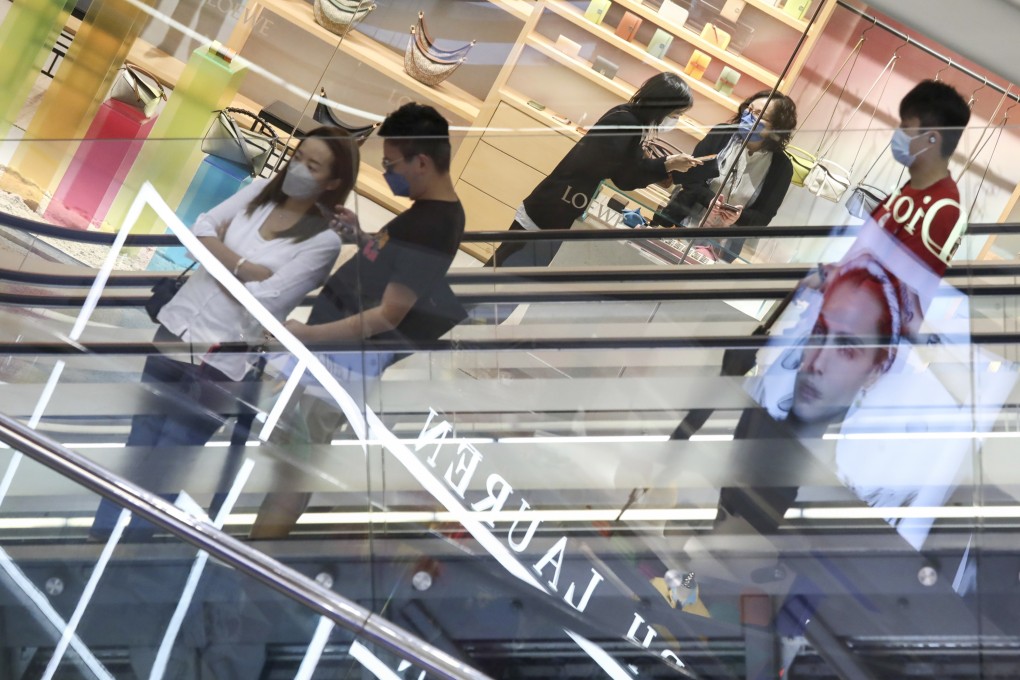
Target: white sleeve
x,y
303,273
222,214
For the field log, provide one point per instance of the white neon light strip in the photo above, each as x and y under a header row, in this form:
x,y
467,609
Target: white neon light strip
x,y
315,648
42,603
372,663
90,588
198,566
601,657
281,402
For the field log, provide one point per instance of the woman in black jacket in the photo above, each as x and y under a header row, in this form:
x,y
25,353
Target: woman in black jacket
x,y
753,194
612,149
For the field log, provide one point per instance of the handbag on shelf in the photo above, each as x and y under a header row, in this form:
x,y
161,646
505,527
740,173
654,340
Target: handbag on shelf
x,y
230,141
828,180
802,161
716,36
597,10
697,64
428,64
341,16
325,115
138,88
628,26
164,291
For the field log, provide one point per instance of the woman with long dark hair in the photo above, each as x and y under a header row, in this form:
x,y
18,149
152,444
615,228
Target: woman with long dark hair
x,y
752,193
611,149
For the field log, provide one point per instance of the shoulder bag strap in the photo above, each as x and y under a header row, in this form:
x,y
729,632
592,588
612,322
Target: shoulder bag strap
x,y
981,183
871,121
986,135
889,66
852,55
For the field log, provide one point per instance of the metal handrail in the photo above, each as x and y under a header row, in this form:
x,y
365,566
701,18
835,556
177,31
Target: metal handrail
x,y
777,231
242,557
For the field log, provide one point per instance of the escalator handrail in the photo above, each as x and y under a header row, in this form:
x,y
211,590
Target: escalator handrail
x,y
227,549
499,344
778,231
530,275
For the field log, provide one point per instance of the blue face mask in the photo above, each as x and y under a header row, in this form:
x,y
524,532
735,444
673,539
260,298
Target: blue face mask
x,y
900,146
746,125
398,183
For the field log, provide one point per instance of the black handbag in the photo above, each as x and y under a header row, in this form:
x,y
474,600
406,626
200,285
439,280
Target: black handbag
x,y
164,291
325,115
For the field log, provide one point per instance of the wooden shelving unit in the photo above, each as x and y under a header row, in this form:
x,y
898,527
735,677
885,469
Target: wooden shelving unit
x,y
738,62
797,24
618,87
385,61
608,36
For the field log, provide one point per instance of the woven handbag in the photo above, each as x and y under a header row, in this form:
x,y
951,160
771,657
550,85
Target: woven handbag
x,y
139,88
428,64
250,148
341,16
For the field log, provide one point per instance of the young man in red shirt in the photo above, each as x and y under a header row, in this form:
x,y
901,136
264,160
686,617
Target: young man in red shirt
x,y
925,213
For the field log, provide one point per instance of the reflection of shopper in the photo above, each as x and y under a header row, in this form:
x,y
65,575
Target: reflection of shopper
x,y
273,237
610,150
925,213
394,289
752,194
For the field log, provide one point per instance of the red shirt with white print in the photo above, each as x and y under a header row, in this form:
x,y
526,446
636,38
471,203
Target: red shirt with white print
x,y
930,222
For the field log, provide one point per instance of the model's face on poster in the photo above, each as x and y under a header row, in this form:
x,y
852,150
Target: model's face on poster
x,y
839,362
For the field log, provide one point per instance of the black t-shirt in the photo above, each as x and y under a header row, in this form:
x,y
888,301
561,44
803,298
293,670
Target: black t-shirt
x,y
415,249
610,150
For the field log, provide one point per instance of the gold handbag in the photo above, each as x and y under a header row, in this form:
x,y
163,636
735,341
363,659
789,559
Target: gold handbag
x,y
425,62
230,141
341,16
139,88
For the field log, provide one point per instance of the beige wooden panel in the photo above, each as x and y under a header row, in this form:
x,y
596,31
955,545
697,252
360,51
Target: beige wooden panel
x,y
484,213
503,177
540,150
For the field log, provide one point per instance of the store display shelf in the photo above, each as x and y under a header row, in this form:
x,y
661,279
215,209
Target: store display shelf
x,y
778,14
574,16
519,8
742,64
372,54
617,87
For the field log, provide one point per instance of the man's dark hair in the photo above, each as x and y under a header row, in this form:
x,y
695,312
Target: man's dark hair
x,y
938,106
419,129
784,119
660,96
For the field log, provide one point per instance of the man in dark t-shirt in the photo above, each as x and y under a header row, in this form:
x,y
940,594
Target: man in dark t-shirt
x,y
390,288
394,288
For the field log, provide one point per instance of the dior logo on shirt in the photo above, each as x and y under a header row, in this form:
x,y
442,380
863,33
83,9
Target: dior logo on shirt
x,y
906,215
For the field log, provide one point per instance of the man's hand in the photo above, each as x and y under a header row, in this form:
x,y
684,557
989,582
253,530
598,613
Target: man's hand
x,y
345,223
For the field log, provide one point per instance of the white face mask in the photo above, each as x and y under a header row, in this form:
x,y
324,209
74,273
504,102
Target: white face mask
x,y
299,183
668,124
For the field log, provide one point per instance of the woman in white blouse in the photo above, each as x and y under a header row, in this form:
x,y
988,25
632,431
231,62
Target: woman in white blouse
x,y
276,240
